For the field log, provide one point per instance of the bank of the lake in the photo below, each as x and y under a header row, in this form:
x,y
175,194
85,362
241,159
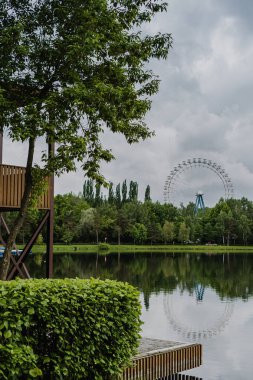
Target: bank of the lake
x,y
93,248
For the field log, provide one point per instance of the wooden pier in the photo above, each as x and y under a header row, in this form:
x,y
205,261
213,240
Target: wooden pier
x,y
160,359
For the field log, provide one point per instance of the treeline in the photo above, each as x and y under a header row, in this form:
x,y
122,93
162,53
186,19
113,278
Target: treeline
x,y
119,195
119,217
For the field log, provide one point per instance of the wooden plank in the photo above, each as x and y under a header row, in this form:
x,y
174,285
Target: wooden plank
x,y
8,190
22,184
17,186
156,363
14,187
12,184
4,186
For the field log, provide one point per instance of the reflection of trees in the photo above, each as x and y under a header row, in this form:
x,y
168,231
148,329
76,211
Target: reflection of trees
x,y
230,275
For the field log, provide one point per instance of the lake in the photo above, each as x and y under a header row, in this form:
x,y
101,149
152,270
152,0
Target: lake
x,y
192,297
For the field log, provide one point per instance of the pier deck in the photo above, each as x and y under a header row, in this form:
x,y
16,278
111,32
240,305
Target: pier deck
x,y
159,359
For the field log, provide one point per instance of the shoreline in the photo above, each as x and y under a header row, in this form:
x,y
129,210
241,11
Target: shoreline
x,y
92,248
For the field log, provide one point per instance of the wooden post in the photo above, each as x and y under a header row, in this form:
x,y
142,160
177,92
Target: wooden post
x,y
50,222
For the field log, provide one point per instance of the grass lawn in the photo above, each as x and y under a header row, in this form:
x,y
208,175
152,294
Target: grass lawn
x,y
92,248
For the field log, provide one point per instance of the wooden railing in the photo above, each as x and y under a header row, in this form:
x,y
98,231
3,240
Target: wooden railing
x,y
163,363
12,184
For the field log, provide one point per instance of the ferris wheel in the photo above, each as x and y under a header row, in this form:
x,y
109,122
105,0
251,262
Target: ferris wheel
x,y
188,177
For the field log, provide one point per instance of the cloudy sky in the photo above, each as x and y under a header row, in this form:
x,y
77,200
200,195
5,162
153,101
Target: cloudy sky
x,y
203,108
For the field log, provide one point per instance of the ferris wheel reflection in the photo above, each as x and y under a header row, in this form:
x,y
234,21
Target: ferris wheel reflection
x,y
204,328
181,377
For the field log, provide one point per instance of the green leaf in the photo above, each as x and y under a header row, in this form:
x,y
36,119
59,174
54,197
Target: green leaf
x,y
35,372
7,334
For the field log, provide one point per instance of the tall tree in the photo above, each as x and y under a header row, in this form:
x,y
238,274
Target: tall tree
x,y
88,191
139,233
118,196
133,191
147,194
184,232
244,228
111,193
124,191
168,231
68,209
98,195
68,70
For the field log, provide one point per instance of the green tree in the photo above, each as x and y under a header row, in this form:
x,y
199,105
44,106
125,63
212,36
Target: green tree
x,y
98,196
244,227
90,221
147,194
88,191
225,223
154,230
139,233
168,231
118,196
133,191
124,191
111,193
68,209
67,71
98,220
221,225
121,223
184,232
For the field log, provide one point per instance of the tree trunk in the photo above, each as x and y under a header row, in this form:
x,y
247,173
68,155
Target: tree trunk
x,y
97,236
4,268
118,236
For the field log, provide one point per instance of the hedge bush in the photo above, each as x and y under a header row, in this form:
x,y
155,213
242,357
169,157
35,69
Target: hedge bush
x,y
67,329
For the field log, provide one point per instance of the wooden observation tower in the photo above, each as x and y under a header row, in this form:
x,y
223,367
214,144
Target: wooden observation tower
x,y
12,183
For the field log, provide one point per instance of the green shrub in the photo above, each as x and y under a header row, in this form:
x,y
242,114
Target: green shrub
x,y
104,247
39,240
67,329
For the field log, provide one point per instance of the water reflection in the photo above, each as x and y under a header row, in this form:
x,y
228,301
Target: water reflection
x,y
181,377
200,319
229,275
185,297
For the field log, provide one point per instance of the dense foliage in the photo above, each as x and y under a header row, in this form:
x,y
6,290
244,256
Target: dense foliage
x,y
119,217
71,69
67,329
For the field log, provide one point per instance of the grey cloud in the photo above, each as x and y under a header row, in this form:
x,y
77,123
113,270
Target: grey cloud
x,y
204,104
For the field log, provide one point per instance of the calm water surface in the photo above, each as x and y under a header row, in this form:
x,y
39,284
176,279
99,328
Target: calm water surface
x,y
185,297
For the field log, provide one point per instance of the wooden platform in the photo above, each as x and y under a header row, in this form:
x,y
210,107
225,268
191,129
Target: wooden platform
x,y
12,185
158,359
